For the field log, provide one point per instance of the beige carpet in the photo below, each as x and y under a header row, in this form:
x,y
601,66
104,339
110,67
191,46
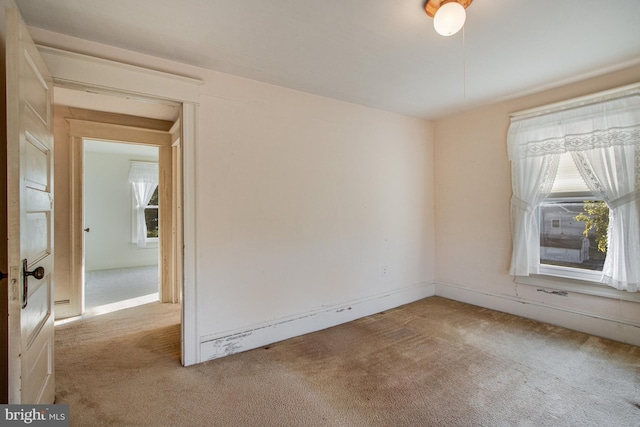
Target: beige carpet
x,y
435,362
103,287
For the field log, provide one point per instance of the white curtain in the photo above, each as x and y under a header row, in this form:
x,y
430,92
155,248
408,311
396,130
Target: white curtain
x,y
144,180
532,179
603,136
613,174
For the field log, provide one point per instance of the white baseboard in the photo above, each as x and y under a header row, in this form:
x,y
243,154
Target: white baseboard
x,y
589,323
121,264
64,309
258,335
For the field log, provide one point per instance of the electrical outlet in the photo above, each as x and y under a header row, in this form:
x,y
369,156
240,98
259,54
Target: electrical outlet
x,y
384,271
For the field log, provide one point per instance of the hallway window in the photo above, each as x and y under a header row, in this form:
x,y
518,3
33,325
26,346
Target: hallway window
x,y
143,177
151,216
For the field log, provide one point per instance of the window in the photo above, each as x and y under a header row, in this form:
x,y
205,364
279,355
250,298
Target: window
x,y
576,167
143,177
573,226
564,246
151,216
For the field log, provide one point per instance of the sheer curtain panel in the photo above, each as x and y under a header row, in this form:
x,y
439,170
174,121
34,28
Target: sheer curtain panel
x,y
603,136
144,180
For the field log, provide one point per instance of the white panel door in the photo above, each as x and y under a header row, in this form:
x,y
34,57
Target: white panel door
x,y
30,217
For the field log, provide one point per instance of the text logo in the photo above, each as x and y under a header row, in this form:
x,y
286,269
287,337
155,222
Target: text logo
x,y
35,415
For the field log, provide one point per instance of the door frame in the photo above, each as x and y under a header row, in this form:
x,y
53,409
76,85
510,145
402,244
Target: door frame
x,y
83,72
79,130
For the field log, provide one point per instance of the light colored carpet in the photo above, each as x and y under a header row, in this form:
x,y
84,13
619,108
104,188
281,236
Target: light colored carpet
x,y
104,287
434,362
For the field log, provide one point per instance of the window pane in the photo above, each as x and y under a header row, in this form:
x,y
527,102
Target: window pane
x,y
151,215
562,239
154,198
151,218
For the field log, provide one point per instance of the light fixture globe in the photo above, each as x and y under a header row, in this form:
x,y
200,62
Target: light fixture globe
x,y
449,18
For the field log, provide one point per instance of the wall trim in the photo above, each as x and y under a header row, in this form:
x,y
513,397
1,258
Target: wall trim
x,y
78,71
260,334
188,267
119,133
602,326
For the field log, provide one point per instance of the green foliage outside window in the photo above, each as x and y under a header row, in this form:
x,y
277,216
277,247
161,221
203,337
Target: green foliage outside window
x,y
151,215
596,217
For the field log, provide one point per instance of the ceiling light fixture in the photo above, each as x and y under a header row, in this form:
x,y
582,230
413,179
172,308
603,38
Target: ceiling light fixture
x,y
448,15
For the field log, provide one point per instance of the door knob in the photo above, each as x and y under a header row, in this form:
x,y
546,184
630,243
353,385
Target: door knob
x,y
87,229
3,275
38,273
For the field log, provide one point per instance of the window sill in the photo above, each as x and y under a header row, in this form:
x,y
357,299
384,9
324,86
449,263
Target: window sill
x,y
579,274
577,286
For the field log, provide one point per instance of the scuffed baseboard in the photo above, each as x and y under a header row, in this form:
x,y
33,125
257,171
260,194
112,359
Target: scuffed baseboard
x,y
589,323
258,335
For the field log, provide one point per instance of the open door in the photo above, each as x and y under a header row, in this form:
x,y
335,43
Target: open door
x,y
29,218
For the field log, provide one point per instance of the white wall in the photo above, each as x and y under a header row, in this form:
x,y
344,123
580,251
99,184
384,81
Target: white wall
x,y
304,202
473,239
309,211
108,213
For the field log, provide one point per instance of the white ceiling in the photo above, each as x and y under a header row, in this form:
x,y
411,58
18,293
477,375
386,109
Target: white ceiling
x,y
380,53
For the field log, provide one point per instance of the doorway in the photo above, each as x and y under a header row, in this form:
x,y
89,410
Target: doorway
x,y
95,153
121,233
91,76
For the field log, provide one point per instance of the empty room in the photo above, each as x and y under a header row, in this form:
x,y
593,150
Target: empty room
x,y
362,213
